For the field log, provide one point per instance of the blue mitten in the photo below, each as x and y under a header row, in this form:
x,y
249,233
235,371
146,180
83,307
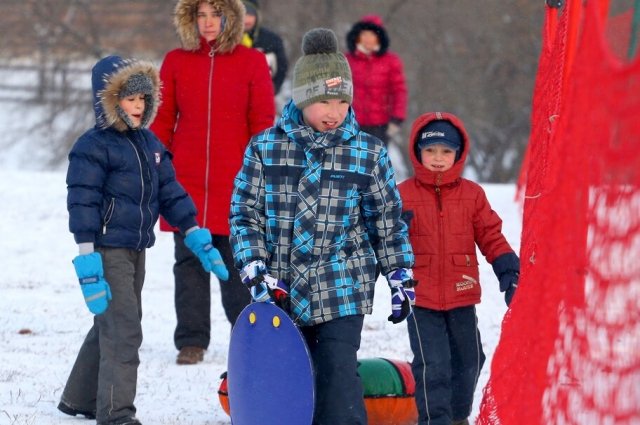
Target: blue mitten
x,y
95,289
199,242
263,286
507,270
403,294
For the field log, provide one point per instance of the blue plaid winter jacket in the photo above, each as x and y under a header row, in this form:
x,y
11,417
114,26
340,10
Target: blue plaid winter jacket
x,y
357,216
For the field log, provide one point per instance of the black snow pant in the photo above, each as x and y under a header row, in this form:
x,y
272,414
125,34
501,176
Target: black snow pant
x,y
193,293
339,393
104,376
447,360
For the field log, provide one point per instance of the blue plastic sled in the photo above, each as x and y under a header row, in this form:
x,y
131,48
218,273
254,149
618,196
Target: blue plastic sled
x,y
270,374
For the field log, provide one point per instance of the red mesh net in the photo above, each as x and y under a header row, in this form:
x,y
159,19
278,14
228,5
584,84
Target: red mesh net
x,y
569,351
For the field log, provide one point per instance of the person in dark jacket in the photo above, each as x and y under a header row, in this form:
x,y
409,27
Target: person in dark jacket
x,y
315,208
268,42
216,94
120,179
379,86
450,216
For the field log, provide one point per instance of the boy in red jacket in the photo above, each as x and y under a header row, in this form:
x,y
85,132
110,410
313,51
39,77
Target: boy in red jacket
x,y
449,215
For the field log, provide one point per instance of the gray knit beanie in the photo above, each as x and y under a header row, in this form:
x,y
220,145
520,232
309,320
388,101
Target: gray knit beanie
x,y
137,83
322,73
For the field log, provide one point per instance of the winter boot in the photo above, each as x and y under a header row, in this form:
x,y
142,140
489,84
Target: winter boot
x,y
190,355
66,409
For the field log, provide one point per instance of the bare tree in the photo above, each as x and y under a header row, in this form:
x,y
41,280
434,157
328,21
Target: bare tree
x,y
476,59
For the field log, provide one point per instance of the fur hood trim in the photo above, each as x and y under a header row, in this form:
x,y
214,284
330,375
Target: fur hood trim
x,y
371,23
110,75
187,27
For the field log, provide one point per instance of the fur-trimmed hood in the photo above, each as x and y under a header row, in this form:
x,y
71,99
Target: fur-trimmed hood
x,y
371,23
108,78
187,28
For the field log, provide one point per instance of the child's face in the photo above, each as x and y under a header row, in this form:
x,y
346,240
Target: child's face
x,y
369,40
437,157
208,21
134,107
326,115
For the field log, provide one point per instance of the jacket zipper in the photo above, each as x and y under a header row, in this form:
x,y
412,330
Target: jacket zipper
x,y
142,192
208,150
441,237
150,225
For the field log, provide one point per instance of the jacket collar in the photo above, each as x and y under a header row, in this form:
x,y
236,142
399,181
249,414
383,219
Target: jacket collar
x,y
293,125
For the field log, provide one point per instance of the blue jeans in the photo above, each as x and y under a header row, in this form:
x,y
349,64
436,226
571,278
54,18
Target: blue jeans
x,y
447,360
339,393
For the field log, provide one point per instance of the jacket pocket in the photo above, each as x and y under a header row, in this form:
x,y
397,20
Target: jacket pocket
x,y
466,275
330,277
362,269
422,268
108,215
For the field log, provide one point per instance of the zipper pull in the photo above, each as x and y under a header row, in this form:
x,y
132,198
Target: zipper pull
x,y
104,229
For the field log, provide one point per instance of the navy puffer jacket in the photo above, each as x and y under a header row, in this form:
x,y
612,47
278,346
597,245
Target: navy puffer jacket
x,y
120,179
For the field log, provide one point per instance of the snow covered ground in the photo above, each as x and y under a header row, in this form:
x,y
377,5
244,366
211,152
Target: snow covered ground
x,y
43,319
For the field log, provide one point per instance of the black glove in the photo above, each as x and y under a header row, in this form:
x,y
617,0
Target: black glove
x,y
507,270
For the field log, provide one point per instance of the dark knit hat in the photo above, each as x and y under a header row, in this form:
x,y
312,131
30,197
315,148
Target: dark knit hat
x,y
137,83
322,73
251,6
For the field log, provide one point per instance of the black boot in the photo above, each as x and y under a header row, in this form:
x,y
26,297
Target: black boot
x,y
73,412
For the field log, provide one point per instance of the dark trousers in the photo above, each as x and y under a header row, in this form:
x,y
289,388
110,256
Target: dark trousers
x,y
193,293
104,376
447,360
339,393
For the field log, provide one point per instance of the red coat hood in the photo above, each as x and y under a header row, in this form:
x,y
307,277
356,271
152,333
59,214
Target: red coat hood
x,y
425,176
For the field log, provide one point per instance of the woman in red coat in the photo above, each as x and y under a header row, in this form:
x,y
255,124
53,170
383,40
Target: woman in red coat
x,y
379,88
450,217
216,94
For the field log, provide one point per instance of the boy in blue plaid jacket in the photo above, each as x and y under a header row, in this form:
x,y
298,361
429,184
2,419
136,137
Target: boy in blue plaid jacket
x,y
315,208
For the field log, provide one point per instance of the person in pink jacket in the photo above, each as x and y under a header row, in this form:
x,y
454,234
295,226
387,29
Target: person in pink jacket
x,y
379,87
448,217
216,94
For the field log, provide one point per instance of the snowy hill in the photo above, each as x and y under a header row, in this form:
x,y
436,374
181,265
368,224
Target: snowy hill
x,y
43,319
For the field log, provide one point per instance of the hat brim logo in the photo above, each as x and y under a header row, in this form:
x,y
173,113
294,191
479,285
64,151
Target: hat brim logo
x,y
429,134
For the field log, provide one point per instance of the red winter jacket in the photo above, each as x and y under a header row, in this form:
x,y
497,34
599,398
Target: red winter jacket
x,y
379,88
450,216
211,106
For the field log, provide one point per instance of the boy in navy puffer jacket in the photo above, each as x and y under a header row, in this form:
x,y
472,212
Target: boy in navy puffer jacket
x,y
120,179
450,216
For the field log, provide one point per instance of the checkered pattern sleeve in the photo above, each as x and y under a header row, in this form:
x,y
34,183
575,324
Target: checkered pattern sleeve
x,y
382,209
247,216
